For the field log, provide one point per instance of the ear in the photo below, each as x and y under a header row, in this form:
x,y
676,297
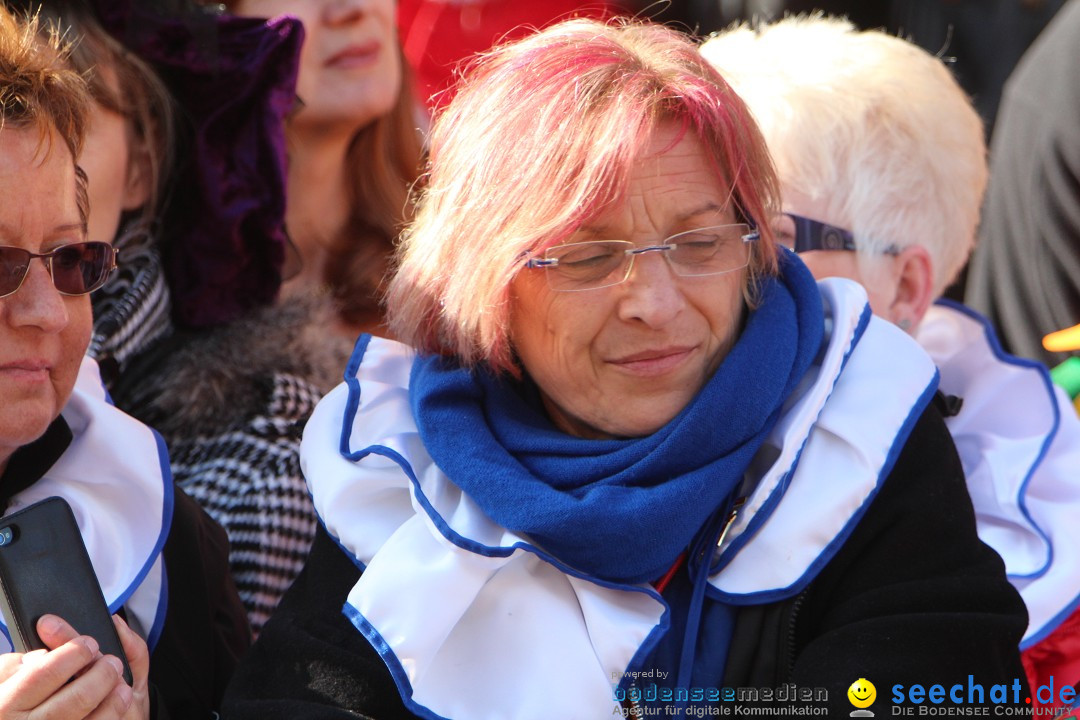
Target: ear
x,y
914,288
139,177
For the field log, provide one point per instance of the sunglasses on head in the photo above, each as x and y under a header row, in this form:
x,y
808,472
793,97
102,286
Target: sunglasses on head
x,y
803,234
76,269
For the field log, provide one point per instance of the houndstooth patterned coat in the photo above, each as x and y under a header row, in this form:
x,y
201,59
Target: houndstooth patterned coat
x,y
231,404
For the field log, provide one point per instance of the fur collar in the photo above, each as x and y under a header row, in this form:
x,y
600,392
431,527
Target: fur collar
x,y
211,381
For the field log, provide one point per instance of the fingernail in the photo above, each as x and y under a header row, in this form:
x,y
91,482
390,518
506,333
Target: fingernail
x,y
115,662
90,643
49,624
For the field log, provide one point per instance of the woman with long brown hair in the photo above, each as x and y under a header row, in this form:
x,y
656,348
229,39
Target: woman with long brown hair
x,y
353,150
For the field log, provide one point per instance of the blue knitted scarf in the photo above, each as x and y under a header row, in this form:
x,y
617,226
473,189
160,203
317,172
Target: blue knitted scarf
x,y
620,510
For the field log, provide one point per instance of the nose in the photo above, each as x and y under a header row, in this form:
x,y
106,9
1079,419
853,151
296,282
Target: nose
x,y
652,293
342,12
37,303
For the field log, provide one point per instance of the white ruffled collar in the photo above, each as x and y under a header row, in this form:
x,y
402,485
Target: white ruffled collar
x,y
1019,441
445,590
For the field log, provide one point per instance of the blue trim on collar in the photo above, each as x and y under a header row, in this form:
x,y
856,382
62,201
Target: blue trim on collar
x,y
1044,375
823,558
771,503
168,500
401,678
162,610
352,403
167,503
860,328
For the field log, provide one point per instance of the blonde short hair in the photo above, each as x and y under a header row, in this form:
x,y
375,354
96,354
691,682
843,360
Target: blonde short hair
x,y
541,135
871,125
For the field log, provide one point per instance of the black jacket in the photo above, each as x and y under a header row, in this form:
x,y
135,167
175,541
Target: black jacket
x,y
913,596
206,628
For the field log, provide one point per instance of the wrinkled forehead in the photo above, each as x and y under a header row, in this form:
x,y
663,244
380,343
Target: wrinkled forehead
x,y
36,165
672,169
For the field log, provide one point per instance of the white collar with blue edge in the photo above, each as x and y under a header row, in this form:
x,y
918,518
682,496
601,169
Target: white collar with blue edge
x,y
470,617
838,440
1018,438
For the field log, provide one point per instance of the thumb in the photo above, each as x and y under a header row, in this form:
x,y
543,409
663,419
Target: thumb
x,y
54,631
138,655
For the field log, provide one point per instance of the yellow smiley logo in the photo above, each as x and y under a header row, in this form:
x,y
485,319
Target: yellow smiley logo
x,y
862,693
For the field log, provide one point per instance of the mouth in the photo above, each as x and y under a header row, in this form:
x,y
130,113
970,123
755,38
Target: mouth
x,y
355,56
654,362
26,370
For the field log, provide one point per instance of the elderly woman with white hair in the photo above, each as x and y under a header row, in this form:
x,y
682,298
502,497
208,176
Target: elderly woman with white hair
x,y
882,166
638,455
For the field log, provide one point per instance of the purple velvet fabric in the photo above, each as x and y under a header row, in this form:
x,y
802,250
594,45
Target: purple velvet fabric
x,y
233,79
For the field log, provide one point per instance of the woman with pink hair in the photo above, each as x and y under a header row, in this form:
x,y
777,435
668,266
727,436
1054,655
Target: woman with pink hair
x,y
631,455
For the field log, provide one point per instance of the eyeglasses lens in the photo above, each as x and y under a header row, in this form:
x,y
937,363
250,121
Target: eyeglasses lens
x,y
582,264
13,264
710,251
77,269
600,263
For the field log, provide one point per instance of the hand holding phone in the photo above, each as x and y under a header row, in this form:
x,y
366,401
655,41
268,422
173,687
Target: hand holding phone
x,y
72,678
45,570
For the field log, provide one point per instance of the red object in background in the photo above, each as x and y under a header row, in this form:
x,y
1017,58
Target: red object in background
x,y
1056,659
437,35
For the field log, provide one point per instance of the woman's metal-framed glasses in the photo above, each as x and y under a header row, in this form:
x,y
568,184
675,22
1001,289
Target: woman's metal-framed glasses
x,y
596,264
75,268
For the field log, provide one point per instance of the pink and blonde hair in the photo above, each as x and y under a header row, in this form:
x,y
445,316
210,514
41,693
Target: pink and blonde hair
x,y
541,136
